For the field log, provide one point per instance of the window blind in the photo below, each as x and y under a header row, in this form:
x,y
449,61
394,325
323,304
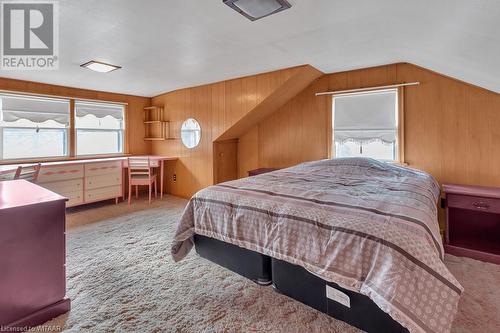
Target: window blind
x,y
99,110
366,117
35,109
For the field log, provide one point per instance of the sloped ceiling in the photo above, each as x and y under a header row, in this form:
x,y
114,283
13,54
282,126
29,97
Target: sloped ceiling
x,y
164,45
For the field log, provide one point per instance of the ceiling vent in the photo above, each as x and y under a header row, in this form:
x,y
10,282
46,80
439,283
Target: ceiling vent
x,y
257,9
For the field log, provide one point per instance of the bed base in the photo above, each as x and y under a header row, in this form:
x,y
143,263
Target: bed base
x,y
249,264
297,283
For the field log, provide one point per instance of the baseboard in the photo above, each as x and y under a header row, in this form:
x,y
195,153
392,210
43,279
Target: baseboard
x,y
39,317
474,254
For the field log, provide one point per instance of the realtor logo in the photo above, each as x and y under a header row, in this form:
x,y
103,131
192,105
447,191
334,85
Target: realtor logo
x,y
29,35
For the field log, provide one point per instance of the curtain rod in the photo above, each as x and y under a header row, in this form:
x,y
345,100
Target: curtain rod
x,y
367,89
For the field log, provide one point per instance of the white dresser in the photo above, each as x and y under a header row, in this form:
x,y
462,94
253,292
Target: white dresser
x,y
85,181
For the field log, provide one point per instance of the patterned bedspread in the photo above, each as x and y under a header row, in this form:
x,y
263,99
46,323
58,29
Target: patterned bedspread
x,y
368,226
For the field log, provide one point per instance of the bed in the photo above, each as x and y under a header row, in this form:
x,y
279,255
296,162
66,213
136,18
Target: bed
x,y
361,233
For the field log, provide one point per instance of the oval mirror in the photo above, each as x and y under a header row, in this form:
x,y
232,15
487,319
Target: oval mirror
x,y
190,133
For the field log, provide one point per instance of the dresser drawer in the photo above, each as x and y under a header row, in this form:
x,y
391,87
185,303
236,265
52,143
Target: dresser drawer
x,y
65,186
60,172
473,203
103,193
74,198
113,179
71,189
103,168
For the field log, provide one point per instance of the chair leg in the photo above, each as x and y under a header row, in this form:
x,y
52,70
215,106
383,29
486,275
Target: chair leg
x,y
137,191
129,193
156,189
150,188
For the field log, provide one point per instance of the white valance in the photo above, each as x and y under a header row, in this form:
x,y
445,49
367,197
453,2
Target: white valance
x,y
99,110
366,117
35,109
365,137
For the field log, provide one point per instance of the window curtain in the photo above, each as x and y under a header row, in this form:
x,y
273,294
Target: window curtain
x,y
35,109
366,117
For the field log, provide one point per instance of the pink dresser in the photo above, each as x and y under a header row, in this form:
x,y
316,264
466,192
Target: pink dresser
x,y
32,255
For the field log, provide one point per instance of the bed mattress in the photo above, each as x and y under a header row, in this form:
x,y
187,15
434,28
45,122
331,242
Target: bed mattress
x,y
368,226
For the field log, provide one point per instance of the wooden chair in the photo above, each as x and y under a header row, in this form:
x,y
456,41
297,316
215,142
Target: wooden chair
x,y
140,173
29,173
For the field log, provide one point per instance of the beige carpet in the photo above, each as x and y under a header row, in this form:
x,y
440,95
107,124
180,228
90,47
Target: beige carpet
x,y
121,278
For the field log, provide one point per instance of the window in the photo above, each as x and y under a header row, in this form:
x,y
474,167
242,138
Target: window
x,y
190,133
33,127
366,124
99,128
36,127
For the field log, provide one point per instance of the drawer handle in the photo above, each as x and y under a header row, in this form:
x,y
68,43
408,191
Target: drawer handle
x,y
480,205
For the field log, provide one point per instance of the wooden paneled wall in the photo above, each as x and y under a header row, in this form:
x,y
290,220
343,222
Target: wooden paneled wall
x,y
217,107
134,117
452,129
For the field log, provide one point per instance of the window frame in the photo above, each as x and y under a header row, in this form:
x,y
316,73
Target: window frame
x,y
121,132
400,142
70,136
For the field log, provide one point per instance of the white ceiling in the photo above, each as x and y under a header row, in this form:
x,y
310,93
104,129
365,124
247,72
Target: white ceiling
x,y
164,45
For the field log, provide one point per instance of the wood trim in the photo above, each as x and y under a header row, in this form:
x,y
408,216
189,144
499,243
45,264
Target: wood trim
x,y
30,94
401,125
126,131
72,129
329,128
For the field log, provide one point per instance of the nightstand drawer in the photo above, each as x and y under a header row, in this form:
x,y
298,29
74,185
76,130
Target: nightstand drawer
x,y
480,204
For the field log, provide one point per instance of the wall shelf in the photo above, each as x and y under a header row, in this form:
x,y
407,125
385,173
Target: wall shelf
x,y
156,128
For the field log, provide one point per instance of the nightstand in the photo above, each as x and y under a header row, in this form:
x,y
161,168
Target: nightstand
x,y
473,222
260,171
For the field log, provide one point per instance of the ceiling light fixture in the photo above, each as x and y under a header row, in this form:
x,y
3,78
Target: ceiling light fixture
x,y
257,9
100,67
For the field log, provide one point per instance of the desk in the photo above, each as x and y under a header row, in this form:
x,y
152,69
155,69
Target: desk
x,y
156,161
90,180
